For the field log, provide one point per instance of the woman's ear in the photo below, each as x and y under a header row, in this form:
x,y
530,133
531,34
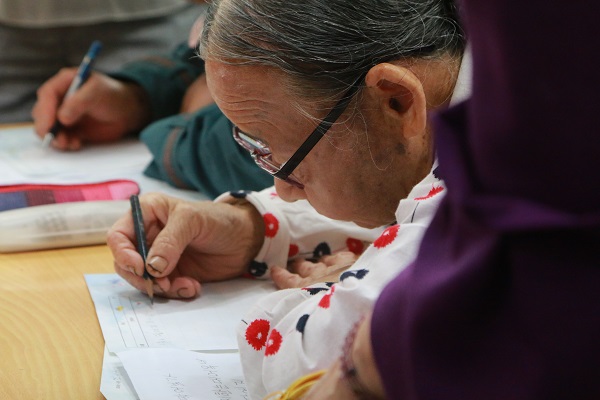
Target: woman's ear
x,y
401,97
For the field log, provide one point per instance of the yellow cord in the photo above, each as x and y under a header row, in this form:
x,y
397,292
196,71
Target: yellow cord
x,y
298,388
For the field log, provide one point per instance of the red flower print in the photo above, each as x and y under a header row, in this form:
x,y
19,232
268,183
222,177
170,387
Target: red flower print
x,y
274,343
271,225
326,299
257,332
434,190
293,250
354,245
386,237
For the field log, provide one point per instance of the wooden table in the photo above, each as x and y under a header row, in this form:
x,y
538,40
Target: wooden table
x,y
51,345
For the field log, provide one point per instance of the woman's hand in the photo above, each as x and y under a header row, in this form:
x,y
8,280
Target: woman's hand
x,y
302,272
189,243
102,110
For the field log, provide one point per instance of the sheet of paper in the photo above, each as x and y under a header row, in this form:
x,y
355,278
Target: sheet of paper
x,y
21,149
24,160
209,322
175,374
115,383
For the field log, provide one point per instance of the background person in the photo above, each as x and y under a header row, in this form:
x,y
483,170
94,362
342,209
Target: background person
x,y
166,99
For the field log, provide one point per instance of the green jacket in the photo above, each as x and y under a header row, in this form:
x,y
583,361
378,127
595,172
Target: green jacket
x,y
191,151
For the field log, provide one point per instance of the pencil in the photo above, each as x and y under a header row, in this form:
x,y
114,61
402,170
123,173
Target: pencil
x,y
83,72
140,237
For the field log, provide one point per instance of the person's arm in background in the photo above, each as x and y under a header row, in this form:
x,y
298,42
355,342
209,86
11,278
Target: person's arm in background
x,y
191,144
194,148
197,151
191,140
107,108
165,79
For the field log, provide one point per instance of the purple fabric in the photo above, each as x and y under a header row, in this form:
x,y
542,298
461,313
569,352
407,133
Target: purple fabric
x,y
503,300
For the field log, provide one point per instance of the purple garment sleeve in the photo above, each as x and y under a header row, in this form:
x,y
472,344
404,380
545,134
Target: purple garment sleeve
x,y
503,300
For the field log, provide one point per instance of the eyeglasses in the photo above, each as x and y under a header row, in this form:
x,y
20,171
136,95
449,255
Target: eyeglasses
x,y
261,153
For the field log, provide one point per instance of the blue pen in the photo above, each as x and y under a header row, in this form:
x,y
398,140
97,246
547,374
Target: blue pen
x,y
83,72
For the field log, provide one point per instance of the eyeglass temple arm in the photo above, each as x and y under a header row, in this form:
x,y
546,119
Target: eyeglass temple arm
x,y
319,132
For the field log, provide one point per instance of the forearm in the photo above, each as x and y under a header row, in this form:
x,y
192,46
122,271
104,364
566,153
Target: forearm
x,y
165,79
198,152
254,225
298,230
141,109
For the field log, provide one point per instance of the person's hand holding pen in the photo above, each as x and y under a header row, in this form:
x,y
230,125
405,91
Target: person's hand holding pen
x,y
102,110
188,243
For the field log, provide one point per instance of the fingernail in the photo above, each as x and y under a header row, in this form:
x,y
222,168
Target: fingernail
x,y
184,293
74,146
131,269
65,114
158,264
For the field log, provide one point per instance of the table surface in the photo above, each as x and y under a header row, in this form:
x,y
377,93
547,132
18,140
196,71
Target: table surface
x,y
51,345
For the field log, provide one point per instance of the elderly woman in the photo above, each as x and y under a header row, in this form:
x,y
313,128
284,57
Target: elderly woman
x,y
332,98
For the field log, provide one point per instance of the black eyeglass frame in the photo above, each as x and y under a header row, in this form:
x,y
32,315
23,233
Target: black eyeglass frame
x,y
285,171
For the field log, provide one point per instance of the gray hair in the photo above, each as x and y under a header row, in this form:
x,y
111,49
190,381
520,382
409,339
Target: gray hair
x,y
323,46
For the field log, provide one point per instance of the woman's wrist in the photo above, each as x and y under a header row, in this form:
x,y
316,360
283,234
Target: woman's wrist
x,y
142,109
256,225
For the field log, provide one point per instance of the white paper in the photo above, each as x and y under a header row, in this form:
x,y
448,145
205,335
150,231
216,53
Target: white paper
x,y
22,150
175,374
115,383
24,160
209,322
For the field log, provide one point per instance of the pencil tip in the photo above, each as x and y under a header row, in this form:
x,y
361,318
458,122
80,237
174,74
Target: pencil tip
x,y
47,139
150,290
